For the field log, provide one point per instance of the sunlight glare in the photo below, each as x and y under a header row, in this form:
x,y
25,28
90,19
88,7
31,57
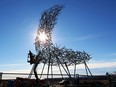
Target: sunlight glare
x,y
42,37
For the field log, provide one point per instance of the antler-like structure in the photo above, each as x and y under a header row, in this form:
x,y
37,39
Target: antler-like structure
x,y
47,22
47,52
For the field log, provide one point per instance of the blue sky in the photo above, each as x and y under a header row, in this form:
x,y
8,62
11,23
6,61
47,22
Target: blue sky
x,y
88,25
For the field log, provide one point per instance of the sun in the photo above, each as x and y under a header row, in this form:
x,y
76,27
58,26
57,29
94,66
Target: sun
x,y
42,37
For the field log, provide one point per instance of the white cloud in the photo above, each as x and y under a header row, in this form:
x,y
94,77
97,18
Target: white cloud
x,y
88,37
110,54
92,65
102,65
77,38
10,65
96,67
84,38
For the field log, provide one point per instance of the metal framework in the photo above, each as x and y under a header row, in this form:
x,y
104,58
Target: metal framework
x,y
50,54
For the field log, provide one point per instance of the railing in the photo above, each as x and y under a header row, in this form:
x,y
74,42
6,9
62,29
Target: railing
x,y
25,75
9,79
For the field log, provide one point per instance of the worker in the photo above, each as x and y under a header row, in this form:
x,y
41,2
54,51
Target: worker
x,y
31,56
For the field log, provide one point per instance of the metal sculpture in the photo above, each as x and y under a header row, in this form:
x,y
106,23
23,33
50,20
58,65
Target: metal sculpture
x,y
48,53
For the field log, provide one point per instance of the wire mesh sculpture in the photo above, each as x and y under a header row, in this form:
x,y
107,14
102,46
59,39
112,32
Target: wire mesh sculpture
x,y
48,53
